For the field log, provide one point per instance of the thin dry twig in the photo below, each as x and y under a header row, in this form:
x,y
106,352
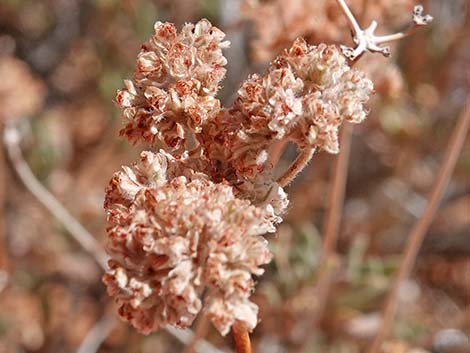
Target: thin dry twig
x,y
420,228
354,25
333,218
12,139
296,167
96,336
242,339
337,192
367,40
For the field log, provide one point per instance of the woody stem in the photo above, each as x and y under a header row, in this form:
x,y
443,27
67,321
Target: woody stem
x,y
296,167
418,232
242,339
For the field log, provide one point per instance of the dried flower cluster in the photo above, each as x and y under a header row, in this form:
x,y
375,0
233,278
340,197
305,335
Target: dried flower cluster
x,y
181,239
305,95
172,91
186,224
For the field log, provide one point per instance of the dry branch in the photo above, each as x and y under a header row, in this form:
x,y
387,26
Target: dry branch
x,y
418,232
333,218
242,339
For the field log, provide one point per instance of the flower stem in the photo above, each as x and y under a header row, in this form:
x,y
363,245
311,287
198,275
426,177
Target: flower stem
x,y
11,139
296,167
417,234
396,36
242,339
336,195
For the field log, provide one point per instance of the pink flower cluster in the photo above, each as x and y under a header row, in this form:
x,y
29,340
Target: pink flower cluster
x,y
179,239
305,95
172,91
186,224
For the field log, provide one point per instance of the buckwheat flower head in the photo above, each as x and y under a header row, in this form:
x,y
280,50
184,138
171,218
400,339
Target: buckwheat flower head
x,y
172,92
305,95
178,239
151,170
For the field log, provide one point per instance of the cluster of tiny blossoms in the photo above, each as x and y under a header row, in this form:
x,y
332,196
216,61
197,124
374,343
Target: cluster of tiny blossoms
x,y
187,223
172,91
305,95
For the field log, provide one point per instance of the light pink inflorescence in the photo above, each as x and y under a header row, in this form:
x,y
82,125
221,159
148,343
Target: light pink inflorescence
x,y
305,95
173,89
187,223
180,240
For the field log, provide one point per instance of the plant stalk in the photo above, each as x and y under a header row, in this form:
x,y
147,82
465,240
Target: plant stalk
x,y
296,167
242,339
417,234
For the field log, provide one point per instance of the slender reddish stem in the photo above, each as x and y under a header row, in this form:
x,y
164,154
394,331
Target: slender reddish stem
x,y
418,232
242,339
333,218
296,167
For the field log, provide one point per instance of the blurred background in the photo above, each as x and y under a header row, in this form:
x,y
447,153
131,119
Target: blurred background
x,y
61,62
